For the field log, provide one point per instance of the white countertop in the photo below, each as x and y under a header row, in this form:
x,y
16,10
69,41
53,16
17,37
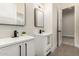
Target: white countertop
x,y
43,34
9,41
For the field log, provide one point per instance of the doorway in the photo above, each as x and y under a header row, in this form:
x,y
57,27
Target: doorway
x,y
65,27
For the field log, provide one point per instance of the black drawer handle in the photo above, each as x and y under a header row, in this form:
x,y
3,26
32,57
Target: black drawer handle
x,y
25,49
20,49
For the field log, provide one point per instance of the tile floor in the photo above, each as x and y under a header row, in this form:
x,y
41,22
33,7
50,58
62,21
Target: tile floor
x,y
65,50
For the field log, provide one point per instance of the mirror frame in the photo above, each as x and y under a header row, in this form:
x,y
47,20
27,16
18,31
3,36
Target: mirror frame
x,y
35,20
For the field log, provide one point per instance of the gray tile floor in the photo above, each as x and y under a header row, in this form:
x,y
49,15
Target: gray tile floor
x,y
65,50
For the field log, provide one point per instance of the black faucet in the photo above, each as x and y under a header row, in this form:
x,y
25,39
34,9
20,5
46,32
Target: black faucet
x,y
15,33
40,31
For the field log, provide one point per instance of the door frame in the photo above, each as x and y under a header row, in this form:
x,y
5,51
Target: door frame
x,y
74,25
58,29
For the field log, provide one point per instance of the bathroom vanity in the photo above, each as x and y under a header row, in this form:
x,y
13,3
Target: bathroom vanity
x,y
19,46
43,44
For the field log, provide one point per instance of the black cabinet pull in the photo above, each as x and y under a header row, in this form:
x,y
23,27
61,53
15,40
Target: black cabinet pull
x,y
25,49
20,49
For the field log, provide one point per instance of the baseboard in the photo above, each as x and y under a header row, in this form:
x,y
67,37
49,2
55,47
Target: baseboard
x,y
68,36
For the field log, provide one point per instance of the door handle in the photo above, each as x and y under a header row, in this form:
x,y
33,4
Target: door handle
x,y
25,49
20,49
59,31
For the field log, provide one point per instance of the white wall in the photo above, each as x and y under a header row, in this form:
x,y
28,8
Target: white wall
x,y
48,16
68,22
54,27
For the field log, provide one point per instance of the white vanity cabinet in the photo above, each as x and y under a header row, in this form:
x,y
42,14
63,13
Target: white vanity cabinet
x,y
11,50
25,47
43,44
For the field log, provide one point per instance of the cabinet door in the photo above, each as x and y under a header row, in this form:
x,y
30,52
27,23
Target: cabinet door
x,y
40,43
12,50
30,48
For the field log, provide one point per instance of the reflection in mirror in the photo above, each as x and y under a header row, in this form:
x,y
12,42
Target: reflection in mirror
x,y
12,13
20,13
39,17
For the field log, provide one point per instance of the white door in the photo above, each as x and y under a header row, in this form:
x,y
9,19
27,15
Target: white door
x,y
59,27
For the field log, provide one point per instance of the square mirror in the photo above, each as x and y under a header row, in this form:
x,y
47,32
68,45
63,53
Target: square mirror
x,y
12,13
38,17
